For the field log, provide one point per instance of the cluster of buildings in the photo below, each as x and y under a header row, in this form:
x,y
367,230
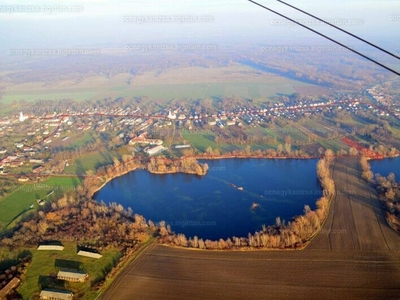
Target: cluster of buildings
x,y
70,275
288,109
55,129
384,99
245,115
65,274
377,93
152,146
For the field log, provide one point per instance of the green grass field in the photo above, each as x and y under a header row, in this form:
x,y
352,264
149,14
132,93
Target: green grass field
x,y
194,82
351,123
44,263
395,131
76,140
262,147
320,128
334,145
254,91
17,203
201,142
294,133
92,162
43,95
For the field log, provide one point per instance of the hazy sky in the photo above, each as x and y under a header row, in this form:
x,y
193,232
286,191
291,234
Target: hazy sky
x,y
102,23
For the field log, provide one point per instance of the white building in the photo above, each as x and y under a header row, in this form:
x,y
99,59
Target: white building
x,y
51,247
56,295
89,254
182,146
74,276
22,117
155,150
171,116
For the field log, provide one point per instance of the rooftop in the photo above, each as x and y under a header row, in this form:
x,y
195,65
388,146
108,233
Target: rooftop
x,y
55,295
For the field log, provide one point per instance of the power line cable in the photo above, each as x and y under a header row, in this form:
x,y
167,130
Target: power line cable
x,y
327,37
342,30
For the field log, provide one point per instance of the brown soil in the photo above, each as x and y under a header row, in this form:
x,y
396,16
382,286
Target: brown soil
x,y
356,256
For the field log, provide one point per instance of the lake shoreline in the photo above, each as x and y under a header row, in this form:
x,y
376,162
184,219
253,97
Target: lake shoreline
x,y
219,157
197,157
197,193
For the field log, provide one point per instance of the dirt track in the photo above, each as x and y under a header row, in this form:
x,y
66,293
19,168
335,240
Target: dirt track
x,y
356,256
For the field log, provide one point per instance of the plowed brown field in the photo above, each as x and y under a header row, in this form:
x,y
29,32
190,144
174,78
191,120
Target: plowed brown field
x,y
356,256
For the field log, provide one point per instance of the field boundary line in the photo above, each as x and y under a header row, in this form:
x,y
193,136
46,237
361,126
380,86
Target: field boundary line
x,y
120,274
331,199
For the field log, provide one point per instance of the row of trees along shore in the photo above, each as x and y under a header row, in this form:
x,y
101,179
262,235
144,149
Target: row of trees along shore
x,y
294,234
76,216
128,163
87,222
388,192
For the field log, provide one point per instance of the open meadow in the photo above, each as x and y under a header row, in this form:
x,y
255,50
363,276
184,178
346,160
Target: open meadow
x,y
24,198
191,82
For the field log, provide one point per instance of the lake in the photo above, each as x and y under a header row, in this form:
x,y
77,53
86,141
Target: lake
x,y
386,166
213,206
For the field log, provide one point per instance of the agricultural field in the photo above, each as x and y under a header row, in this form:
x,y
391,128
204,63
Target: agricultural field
x,y
258,91
334,145
191,82
201,141
91,162
75,141
167,273
312,90
356,255
24,198
321,128
355,221
293,132
43,95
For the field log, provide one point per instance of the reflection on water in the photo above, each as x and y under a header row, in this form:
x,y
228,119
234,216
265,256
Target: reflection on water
x,y
213,206
386,166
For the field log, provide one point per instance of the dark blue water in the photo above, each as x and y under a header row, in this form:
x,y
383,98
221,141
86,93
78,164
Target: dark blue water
x,y
209,206
386,166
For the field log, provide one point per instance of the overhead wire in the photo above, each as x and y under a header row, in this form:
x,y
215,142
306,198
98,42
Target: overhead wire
x,y
340,29
326,37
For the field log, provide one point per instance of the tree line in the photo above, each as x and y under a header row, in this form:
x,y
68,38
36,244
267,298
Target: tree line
x,y
77,216
388,192
294,234
159,165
